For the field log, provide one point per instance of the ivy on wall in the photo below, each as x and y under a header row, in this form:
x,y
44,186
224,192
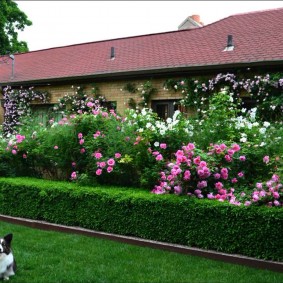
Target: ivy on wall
x,y
145,91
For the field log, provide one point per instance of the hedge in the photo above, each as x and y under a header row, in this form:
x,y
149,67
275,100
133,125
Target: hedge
x,y
209,224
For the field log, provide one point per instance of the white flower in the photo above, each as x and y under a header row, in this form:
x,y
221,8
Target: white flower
x,y
169,120
176,113
156,144
266,124
148,125
243,139
262,130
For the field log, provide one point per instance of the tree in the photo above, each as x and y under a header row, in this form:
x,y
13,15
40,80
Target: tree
x,y
12,20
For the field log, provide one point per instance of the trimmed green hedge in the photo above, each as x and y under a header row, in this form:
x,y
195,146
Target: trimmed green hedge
x,y
250,231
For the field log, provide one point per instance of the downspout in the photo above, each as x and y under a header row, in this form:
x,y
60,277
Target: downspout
x,y
13,64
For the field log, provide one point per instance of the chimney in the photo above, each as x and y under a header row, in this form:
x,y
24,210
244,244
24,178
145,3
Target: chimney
x,y
196,18
191,22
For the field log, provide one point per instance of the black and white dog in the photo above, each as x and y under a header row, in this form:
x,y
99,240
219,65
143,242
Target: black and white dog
x,y
7,260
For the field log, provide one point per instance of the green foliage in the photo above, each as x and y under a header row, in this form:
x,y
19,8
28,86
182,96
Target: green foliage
x,y
12,19
130,87
251,231
232,229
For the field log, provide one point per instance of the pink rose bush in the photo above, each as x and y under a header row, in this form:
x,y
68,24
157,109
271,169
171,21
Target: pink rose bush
x,y
211,175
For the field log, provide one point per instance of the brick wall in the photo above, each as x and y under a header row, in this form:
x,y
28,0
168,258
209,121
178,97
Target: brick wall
x,y
112,91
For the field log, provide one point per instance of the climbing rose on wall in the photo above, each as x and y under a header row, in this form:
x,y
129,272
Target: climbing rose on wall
x,y
17,104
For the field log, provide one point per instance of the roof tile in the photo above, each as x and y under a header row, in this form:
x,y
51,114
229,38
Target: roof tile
x,y
257,37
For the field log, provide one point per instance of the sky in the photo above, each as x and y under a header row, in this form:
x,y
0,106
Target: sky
x,y
62,23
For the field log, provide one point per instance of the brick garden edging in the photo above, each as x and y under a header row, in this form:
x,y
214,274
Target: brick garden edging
x,y
229,258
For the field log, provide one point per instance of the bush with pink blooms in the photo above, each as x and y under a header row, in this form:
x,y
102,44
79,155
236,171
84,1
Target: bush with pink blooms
x,y
231,155
217,174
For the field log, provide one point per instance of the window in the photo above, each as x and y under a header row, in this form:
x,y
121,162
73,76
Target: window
x,y
44,113
164,108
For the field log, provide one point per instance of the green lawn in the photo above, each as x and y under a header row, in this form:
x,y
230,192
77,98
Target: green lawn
x,y
47,256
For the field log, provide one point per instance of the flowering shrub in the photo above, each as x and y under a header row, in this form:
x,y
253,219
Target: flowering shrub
x,y
227,153
218,174
265,90
17,105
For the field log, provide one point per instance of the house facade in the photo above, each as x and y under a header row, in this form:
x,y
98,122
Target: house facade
x,y
248,42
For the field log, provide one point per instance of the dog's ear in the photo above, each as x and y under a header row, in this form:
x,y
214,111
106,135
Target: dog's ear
x,y
8,238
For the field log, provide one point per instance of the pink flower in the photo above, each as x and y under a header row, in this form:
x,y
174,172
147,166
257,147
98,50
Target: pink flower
x,y
197,192
82,141
247,203
202,184
14,151
203,164
187,175
224,171
222,146
118,155
80,135
97,134
20,138
98,172
275,178
236,147
163,145
74,176
234,180
74,164
24,155
159,157
102,164
197,160
228,158
111,162
82,150
242,158
89,104
210,196
109,169
276,203
217,176
266,159
259,185
218,185
241,174
177,190
97,155
276,195
56,147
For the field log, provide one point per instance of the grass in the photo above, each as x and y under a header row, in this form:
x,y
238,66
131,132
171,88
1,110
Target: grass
x,y
54,257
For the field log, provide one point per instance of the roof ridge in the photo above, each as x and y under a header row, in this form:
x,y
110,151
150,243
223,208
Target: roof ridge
x,y
254,12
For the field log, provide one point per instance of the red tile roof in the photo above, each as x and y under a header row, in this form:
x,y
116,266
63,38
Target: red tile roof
x,y
257,36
